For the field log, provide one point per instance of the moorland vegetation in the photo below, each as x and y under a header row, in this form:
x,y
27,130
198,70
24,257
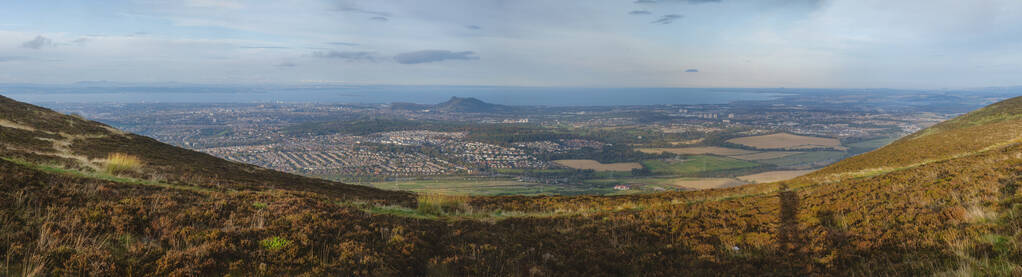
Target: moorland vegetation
x,y
944,201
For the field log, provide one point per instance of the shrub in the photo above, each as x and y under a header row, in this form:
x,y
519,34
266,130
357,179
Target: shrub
x,y
117,163
259,205
439,204
275,243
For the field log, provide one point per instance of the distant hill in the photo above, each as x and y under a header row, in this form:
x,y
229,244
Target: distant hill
x,y
995,125
457,105
470,105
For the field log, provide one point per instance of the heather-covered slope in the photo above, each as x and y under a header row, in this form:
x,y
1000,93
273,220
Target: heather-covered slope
x,y
957,214
41,136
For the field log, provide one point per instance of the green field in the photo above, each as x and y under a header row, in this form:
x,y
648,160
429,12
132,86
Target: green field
x,y
868,145
612,174
486,186
693,165
806,160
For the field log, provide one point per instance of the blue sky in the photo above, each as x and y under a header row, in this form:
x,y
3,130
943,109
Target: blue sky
x,y
586,43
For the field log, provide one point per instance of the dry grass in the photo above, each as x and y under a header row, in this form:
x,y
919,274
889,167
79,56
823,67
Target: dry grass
x,y
441,204
787,141
117,163
15,125
773,176
705,183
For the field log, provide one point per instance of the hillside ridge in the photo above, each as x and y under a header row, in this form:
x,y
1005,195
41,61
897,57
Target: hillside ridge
x,y
988,128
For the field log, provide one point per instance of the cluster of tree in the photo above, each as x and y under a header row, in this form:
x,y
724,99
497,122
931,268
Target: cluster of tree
x,y
720,138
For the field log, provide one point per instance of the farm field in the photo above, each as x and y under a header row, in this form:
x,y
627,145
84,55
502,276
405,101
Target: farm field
x,y
765,155
806,160
773,176
867,145
721,151
696,164
788,141
594,165
748,155
705,183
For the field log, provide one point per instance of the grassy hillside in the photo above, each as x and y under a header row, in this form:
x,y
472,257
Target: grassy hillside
x,y
990,127
959,214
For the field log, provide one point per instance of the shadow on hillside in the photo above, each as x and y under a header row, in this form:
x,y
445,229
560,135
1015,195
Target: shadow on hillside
x,y
789,236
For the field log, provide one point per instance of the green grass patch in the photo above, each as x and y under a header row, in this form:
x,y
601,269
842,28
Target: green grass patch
x,y
275,243
612,174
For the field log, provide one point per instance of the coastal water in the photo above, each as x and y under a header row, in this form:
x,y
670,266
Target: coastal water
x,y
389,94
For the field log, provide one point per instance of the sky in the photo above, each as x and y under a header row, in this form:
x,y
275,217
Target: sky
x,y
916,44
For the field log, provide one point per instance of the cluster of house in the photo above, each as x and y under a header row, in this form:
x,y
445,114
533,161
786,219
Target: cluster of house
x,y
337,160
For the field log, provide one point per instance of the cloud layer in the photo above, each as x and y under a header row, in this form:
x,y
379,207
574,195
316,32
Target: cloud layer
x,y
39,42
667,19
611,43
430,56
350,56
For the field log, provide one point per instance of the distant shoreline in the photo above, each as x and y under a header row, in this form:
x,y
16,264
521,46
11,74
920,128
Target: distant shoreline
x,y
557,97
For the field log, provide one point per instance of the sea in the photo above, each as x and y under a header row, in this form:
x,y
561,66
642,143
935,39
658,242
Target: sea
x,y
524,96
